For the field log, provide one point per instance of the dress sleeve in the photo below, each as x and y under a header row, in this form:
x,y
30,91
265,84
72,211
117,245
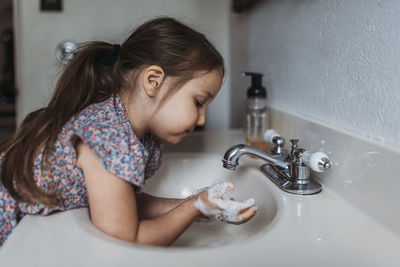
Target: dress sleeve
x,y
118,151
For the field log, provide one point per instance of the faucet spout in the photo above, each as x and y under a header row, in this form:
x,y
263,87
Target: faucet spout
x,y
232,155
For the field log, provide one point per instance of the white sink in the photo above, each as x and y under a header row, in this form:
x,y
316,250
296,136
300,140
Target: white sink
x,y
183,173
317,230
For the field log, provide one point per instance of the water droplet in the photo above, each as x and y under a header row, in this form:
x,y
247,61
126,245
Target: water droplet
x,y
320,237
348,181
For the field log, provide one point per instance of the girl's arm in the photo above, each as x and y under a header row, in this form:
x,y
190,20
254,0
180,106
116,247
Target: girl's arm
x,y
113,206
150,207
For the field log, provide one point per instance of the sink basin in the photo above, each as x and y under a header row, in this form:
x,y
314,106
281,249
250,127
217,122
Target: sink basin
x,y
183,173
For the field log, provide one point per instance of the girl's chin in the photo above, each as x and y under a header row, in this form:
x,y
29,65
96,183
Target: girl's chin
x,y
174,139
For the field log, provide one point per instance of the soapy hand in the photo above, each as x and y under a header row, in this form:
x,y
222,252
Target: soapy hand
x,y
212,202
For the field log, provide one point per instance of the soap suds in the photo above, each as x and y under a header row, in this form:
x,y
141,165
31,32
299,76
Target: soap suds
x,y
223,209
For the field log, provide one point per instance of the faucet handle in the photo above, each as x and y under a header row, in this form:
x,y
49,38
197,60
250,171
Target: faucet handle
x,y
317,161
294,145
279,149
272,137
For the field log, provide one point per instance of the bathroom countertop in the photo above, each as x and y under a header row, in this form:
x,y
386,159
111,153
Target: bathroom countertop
x,y
320,230
317,230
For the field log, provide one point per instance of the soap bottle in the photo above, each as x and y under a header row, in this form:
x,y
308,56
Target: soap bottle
x,y
257,113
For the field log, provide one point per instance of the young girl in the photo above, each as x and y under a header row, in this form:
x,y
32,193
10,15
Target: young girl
x,y
99,137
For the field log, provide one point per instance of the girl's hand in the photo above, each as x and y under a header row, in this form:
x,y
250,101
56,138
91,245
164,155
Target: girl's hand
x,y
213,204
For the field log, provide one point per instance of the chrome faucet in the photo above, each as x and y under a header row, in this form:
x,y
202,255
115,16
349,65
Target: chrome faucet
x,y
289,171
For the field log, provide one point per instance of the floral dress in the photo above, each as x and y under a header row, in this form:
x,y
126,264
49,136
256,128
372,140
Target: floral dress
x,y
106,129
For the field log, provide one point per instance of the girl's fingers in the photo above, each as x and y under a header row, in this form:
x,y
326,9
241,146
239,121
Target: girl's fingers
x,y
246,215
237,206
228,210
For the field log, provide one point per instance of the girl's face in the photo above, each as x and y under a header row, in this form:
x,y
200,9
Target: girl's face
x,y
186,108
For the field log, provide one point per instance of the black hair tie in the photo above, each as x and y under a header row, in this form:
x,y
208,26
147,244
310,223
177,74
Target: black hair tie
x,y
110,59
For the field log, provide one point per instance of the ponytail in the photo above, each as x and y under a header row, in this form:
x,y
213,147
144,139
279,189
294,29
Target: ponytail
x,y
84,81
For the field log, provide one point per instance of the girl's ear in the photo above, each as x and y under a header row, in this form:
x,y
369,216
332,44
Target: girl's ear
x,y
153,76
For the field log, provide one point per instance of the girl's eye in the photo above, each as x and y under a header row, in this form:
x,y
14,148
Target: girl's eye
x,y
197,103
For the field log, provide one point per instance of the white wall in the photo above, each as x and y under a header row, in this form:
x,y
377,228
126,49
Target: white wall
x,y
239,59
38,33
337,62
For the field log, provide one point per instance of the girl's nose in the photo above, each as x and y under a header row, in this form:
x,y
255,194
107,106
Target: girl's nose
x,y
202,119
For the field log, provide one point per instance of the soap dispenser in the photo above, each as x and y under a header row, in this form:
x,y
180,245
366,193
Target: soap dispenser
x,y
257,114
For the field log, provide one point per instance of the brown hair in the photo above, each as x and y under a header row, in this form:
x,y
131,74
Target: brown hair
x,y
179,50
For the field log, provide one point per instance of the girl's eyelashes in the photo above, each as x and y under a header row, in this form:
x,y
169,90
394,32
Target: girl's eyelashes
x,y
197,103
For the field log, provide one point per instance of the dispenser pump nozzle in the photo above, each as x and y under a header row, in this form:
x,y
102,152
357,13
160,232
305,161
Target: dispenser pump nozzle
x,y
256,89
